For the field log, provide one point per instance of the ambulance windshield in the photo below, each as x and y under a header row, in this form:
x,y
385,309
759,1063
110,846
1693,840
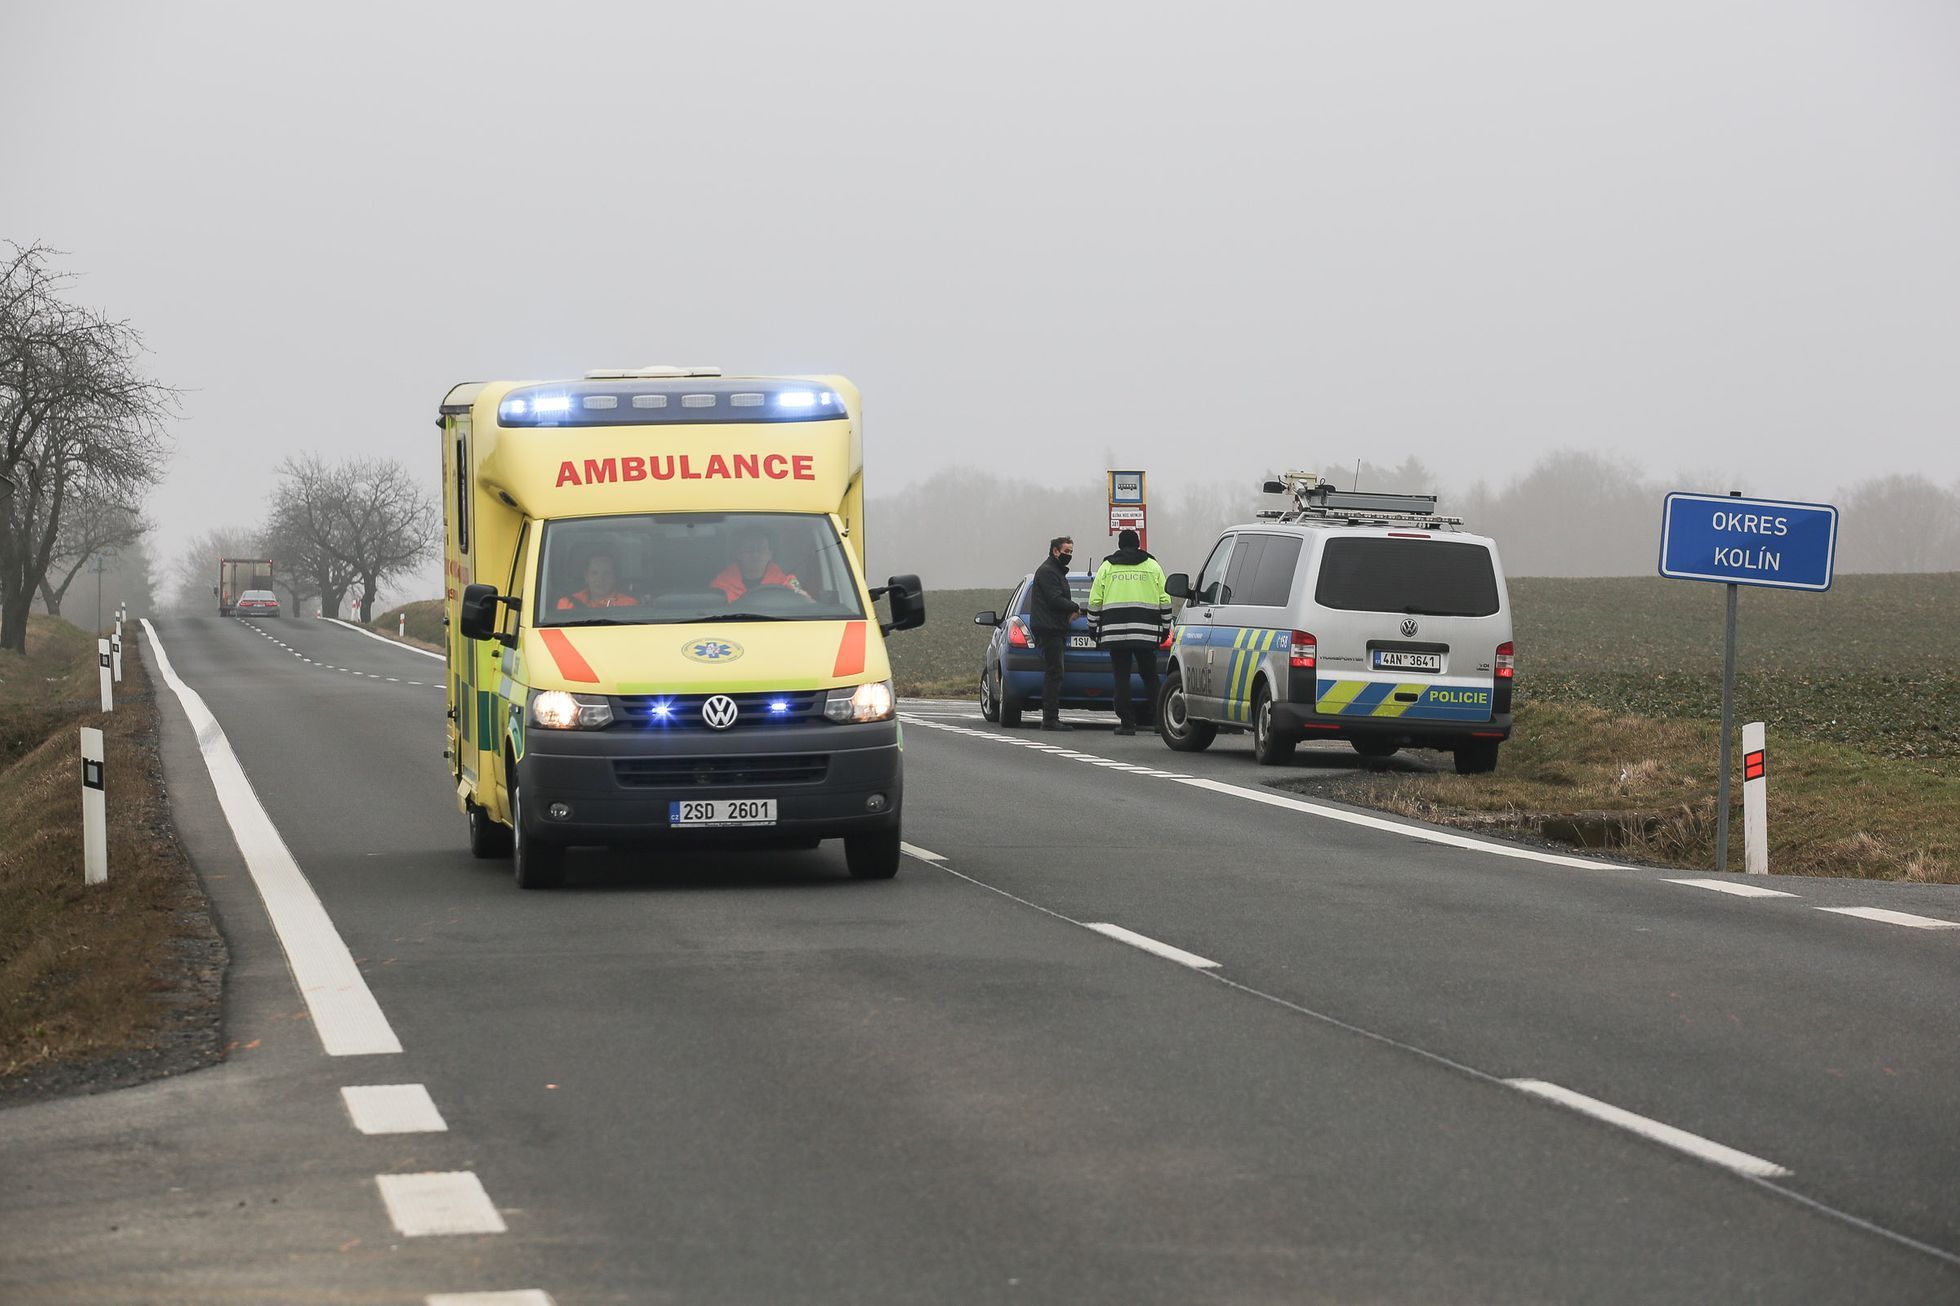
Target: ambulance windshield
x,y
676,568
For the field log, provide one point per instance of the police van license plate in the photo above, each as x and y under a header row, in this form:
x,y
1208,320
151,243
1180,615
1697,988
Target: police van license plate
x,y
1081,641
722,811
1388,659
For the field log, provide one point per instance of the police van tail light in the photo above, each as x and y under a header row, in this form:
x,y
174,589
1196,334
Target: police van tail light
x,y
1017,633
1304,648
1505,665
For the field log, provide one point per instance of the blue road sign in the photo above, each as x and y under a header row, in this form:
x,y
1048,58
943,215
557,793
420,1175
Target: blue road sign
x,y
1769,542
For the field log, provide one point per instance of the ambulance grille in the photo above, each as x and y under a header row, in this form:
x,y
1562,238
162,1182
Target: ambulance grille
x,y
767,769
683,711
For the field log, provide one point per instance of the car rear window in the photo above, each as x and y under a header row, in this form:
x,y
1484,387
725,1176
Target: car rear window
x,y
1440,578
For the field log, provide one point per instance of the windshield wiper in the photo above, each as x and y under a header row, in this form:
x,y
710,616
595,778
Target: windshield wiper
x,y
733,616
594,621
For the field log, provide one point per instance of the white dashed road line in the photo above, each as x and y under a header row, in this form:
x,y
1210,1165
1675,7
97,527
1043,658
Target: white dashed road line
x,y
1164,950
911,850
1905,918
1679,1139
521,1297
1737,888
345,1014
431,1204
393,1109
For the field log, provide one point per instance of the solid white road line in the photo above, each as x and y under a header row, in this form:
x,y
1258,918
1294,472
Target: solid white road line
x,y
1164,950
1895,917
392,643
438,1203
1680,1139
1736,887
345,1014
911,850
521,1297
393,1109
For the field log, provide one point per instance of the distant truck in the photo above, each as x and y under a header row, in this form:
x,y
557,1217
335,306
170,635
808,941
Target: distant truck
x,y
235,576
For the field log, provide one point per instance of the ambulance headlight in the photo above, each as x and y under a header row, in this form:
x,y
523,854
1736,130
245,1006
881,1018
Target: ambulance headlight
x,y
554,709
872,702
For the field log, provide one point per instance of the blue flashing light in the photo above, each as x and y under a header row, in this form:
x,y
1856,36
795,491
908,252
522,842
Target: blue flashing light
x,y
778,707
552,404
796,399
662,712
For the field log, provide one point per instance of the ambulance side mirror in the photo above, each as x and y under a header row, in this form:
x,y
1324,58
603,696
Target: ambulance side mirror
x,y
908,599
1177,585
478,619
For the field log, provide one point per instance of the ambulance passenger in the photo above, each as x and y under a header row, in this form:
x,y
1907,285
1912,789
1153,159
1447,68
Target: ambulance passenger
x,y
601,587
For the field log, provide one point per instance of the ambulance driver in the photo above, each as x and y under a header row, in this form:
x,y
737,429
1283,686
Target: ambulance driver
x,y
754,565
601,587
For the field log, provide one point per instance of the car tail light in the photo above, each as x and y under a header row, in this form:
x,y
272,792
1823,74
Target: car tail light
x,y
1506,653
1017,633
1301,658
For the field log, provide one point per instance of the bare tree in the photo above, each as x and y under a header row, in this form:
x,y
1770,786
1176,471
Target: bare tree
x,y
1898,523
195,569
357,523
94,526
75,411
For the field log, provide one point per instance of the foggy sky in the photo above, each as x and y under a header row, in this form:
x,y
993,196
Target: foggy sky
x,y
1718,240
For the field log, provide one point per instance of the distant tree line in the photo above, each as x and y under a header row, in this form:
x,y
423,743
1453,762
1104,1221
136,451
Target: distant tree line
x,y
1572,513
81,436
334,528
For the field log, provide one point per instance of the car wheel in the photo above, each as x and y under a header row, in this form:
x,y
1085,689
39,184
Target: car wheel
x,y
1271,746
872,856
1175,725
538,865
1010,711
488,837
1478,757
1376,750
989,704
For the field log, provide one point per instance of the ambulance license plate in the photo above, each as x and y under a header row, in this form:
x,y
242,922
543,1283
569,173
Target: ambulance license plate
x,y
722,811
1081,641
1388,659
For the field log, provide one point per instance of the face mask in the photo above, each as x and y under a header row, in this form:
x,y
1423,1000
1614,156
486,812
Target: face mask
x,y
1066,558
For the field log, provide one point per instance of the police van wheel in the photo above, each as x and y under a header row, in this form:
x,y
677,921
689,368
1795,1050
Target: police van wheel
x,y
1175,725
1270,746
1478,757
488,838
872,856
1376,750
538,865
989,702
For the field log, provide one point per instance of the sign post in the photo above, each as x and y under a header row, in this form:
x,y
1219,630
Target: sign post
x,y
1773,543
1126,505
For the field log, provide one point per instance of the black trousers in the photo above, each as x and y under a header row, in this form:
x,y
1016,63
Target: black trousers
x,y
1053,645
1121,659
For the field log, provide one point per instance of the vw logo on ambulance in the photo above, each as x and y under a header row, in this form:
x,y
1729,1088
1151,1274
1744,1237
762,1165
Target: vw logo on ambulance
x,y
720,712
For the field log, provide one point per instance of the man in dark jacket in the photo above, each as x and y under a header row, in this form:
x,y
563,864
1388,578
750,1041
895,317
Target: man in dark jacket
x,y
1051,607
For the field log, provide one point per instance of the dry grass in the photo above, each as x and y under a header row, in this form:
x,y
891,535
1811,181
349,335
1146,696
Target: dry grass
x,y
423,624
123,976
1644,787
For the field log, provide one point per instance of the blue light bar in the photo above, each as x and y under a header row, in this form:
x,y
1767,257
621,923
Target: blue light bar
x,y
668,401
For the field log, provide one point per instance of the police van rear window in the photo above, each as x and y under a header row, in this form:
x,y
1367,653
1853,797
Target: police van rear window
x,y
1439,578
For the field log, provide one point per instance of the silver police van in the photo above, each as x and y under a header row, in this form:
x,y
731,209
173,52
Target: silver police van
x,y
1358,616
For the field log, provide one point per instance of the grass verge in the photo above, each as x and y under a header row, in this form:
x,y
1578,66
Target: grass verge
x,y
1643,787
111,984
421,621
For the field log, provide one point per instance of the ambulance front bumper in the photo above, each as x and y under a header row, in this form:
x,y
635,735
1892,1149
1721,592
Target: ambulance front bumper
x,y
614,786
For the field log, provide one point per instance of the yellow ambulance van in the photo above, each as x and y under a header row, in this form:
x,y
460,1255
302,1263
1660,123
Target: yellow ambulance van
x,y
659,628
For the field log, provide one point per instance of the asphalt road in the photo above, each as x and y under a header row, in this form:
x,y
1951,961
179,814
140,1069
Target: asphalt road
x,y
706,1078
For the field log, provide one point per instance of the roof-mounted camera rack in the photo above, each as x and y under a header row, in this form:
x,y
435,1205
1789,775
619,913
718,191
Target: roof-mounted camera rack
x,y
1318,500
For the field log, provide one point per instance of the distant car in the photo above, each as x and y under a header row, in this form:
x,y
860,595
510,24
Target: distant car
x,y
257,603
1010,671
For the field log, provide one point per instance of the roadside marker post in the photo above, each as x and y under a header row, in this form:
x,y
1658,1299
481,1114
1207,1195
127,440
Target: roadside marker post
x,y
1772,543
401,627
95,814
115,654
1755,799
102,657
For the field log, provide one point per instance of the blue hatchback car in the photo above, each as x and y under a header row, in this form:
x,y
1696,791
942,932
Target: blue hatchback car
x,y
1010,670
